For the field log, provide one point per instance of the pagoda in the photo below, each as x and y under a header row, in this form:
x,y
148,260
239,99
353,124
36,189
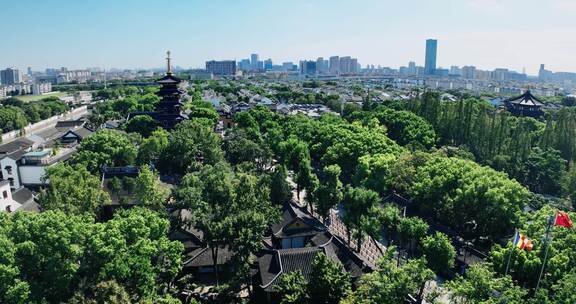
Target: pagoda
x,y
169,110
525,105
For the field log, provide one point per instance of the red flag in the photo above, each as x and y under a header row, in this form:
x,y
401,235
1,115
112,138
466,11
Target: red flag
x,y
562,219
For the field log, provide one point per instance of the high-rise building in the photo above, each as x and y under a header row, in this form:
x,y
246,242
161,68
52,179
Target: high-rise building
x,y
430,60
288,66
345,64
221,68
244,65
254,59
10,76
322,65
354,68
455,70
468,72
334,65
500,74
29,71
268,64
411,68
308,67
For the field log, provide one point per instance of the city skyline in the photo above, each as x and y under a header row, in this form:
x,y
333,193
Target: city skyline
x,y
132,33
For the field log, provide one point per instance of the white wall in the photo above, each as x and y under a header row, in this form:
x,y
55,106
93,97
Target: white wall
x,y
32,175
7,161
7,202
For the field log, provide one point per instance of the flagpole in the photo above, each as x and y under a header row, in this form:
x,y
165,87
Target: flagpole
x,y
511,251
548,241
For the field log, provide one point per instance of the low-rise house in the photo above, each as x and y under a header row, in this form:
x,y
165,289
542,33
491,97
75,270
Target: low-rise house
x,y
20,200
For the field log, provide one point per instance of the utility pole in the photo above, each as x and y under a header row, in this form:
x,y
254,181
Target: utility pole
x,y
548,240
511,252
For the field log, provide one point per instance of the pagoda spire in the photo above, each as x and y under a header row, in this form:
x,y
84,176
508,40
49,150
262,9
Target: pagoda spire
x,y
169,69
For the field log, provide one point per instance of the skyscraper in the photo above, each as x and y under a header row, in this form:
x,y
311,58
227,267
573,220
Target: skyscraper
x,y
430,60
254,61
334,65
268,64
308,67
10,76
411,68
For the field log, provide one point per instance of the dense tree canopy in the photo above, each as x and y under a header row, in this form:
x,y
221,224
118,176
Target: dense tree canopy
x,y
73,190
190,145
456,192
106,148
51,256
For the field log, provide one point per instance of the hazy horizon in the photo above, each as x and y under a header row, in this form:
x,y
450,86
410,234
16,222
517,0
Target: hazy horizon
x,y
488,34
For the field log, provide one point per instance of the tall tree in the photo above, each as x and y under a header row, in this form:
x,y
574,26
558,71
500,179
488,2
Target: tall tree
x,y
391,284
105,148
439,253
280,191
292,288
149,191
141,124
361,213
72,189
190,145
329,193
329,282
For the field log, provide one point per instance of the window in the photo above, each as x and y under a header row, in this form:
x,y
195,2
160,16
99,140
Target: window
x,y
5,194
8,169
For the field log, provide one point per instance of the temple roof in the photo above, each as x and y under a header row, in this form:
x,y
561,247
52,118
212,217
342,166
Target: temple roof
x,y
526,99
169,79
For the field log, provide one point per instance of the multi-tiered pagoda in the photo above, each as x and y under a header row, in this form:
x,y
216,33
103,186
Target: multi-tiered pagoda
x,y
169,110
525,105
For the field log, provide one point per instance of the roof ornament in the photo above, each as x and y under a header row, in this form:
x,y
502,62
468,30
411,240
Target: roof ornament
x,y
169,70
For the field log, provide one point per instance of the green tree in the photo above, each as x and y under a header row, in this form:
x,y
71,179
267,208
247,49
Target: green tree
x,y
190,145
280,191
390,218
543,171
439,253
391,284
203,110
115,185
149,191
12,118
72,189
329,282
152,147
292,288
329,193
50,248
411,230
482,286
361,213
568,183
104,292
141,124
375,172
105,148
133,248
459,191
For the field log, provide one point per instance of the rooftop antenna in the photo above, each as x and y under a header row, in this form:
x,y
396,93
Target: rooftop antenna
x,y
169,70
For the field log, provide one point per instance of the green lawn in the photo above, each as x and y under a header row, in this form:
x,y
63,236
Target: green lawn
x,y
28,98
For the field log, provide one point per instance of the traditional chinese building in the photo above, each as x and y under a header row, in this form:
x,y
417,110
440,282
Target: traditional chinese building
x,y
169,110
525,105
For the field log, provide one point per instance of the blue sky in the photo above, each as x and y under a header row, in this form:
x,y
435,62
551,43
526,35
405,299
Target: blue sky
x,y
136,33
